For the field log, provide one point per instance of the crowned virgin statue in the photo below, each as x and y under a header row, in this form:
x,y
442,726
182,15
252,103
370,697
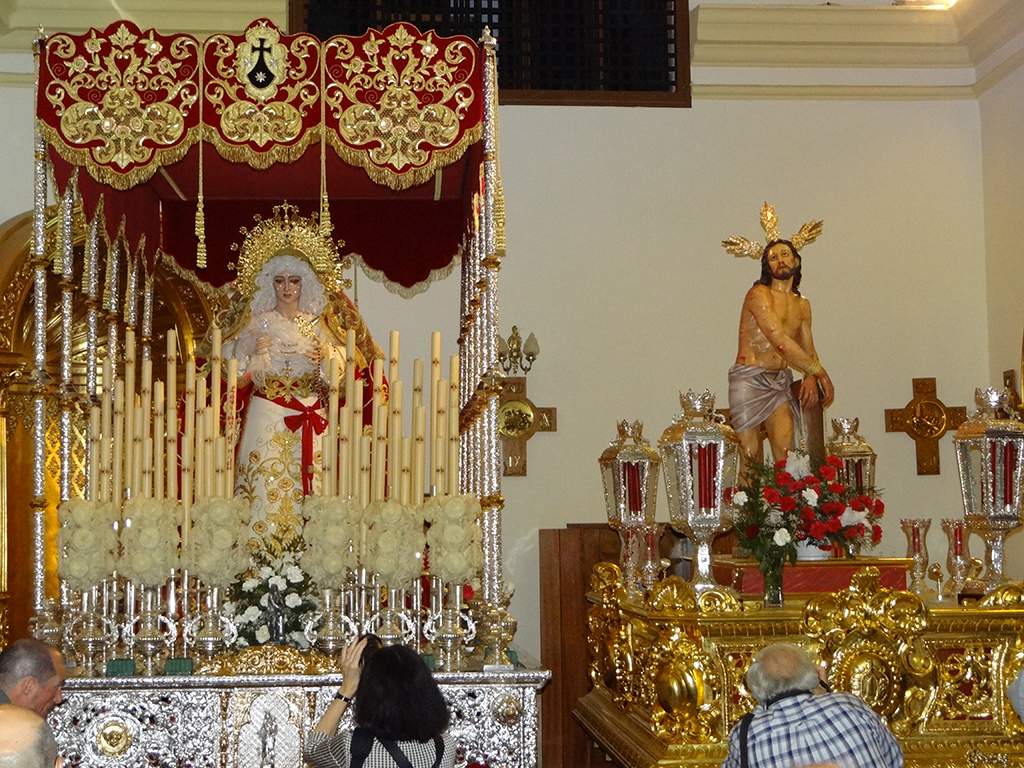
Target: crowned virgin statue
x,y
287,327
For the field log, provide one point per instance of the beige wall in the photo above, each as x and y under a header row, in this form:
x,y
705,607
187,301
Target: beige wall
x,y
1002,129
613,260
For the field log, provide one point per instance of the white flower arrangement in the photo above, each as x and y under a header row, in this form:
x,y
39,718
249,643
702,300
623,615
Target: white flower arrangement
x,y
217,544
88,542
270,600
454,537
149,540
331,535
394,542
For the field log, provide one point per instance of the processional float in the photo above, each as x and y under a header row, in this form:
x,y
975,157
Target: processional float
x,y
161,149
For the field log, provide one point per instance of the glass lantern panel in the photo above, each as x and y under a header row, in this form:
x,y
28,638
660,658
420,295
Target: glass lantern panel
x,y
1003,476
704,471
972,476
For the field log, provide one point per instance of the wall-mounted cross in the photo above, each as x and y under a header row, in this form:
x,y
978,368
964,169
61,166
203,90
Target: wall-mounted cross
x,y
519,420
925,419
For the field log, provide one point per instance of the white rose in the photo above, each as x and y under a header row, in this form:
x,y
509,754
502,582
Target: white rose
x,y
222,538
456,536
84,539
810,496
264,599
279,582
334,536
251,614
250,584
386,544
392,514
294,574
266,572
739,498
262,634
292,600
781,537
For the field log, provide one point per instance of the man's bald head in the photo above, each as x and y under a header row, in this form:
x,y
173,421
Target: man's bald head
x,y
26,740
780,668
32,674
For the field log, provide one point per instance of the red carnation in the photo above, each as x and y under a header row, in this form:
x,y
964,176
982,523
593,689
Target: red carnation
x,y
851,532
788,504
771,495
879,507
834,461
837,488
858,504
807,513
833,525
876,534
798,486
818,530
780,464
833,508
752,531
827,473
783,479
811,480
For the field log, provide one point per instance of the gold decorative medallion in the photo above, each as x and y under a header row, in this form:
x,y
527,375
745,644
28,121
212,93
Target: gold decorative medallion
x,y
113,738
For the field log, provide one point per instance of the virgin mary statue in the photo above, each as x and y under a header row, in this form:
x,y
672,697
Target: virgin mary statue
x,y
289,327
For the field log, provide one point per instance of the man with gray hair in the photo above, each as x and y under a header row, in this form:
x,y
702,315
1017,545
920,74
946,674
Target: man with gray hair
x,y
31,675
26,740
794,727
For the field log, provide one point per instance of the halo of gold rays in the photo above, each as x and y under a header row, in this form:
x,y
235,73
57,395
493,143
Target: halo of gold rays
x,y
738,245
289,232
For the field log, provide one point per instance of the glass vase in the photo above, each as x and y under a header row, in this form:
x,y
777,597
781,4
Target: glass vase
x,y
916,529
772,573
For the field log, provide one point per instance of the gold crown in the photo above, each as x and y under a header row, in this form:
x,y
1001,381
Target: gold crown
x,y
738,245
288,232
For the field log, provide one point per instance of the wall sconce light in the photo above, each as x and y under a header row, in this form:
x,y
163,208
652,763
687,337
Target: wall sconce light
x,y
515,356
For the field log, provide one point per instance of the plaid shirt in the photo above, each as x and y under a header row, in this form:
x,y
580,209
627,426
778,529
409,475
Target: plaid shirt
x,y
803,730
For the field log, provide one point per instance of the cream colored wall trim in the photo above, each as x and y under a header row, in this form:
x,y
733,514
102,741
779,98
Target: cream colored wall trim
x,y
199,17
833,92
987,25
16,80
825,36
996,74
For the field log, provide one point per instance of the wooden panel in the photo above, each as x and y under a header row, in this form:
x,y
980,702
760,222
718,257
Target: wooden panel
x,y
567,557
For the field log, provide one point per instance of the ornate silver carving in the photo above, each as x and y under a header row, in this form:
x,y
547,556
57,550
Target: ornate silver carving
x,y
246,722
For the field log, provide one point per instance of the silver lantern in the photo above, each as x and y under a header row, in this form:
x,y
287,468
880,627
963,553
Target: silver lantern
x,y
700,455
988,455
629,472
857,455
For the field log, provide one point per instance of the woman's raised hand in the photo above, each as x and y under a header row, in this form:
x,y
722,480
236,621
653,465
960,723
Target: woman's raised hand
x,y
263,344
351,659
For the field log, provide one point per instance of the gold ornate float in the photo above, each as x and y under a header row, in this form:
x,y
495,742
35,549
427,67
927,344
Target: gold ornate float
x,y
668,669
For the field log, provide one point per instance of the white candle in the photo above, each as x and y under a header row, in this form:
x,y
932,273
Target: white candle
x,y
117,463
94,453
453,442
394,439
393,350
417,384
364,470
215,371
137,451
380,452
405,487
158,439
435,376
418,455
129,407
171,416
187,450
330,444
219,457
345,454
106,431
231,425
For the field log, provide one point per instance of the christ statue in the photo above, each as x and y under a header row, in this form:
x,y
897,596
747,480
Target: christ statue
x,y
774,337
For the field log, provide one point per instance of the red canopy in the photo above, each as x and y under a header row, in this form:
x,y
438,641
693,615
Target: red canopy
x,y
392,118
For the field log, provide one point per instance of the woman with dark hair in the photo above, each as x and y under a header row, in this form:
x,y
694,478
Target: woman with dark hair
x,y
400,715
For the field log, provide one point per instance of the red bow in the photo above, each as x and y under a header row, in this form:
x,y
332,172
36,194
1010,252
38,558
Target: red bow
x,y
309,420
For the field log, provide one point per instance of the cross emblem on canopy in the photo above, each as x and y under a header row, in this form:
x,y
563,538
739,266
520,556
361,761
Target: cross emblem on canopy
x,y
925,419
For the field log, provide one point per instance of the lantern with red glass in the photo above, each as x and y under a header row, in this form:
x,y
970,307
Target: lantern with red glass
x,y
858,457
700,455
629,471
988,454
